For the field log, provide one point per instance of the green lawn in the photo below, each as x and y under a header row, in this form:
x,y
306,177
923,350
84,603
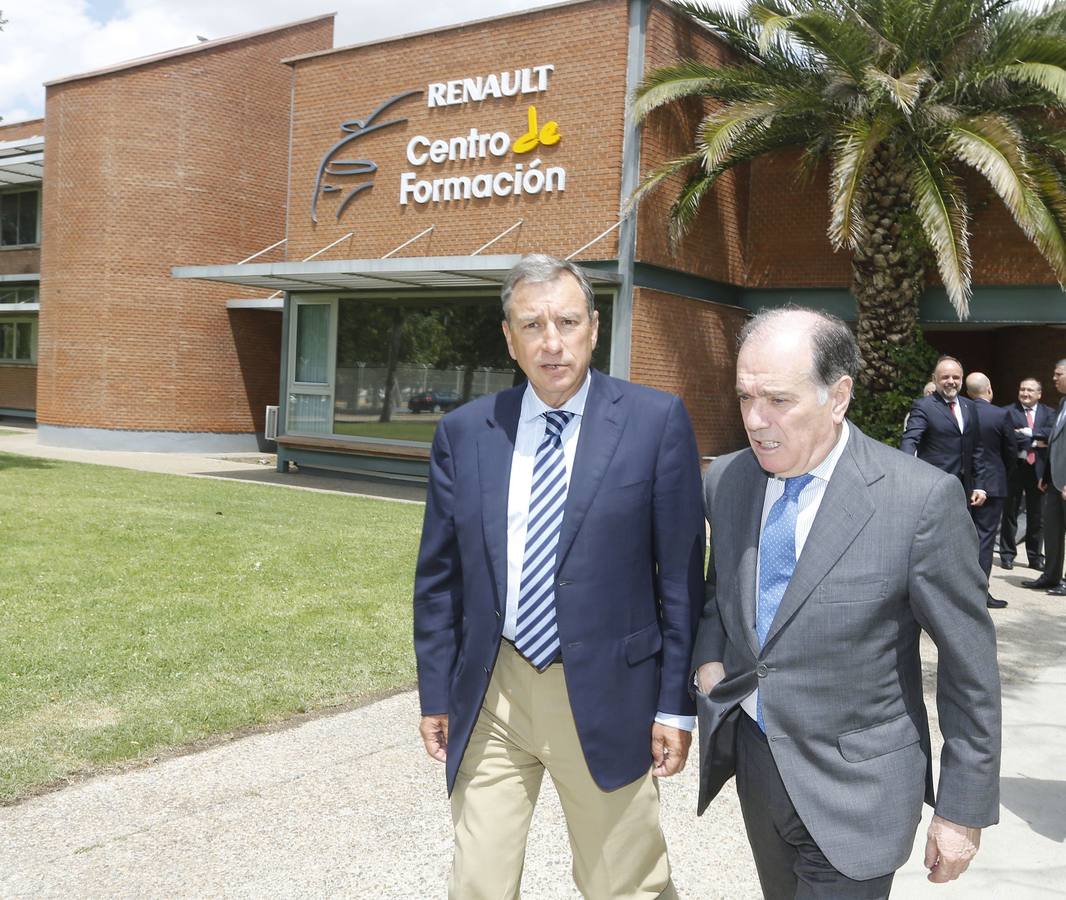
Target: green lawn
x,y
403,431
10,431
140,612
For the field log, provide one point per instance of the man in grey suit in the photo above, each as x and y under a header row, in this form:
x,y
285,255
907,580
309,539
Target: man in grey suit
x,y
830,553
1054,486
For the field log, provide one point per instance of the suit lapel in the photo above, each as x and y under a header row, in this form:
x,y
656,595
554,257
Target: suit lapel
x,y
747,506
845,508
601,427
495,449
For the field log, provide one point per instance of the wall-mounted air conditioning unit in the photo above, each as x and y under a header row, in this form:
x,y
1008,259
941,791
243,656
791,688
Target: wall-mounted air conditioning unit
x,y
271,430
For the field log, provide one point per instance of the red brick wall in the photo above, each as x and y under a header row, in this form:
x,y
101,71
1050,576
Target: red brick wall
x,y
687,347
714,248
176,162
16,131
585,95
18,386
19,262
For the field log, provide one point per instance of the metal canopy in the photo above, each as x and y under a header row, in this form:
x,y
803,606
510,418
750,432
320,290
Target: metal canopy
x,y
404,274
22,161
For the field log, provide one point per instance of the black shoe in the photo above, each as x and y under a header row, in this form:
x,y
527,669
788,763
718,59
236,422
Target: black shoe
x,y
1006,562
1059,590
1038,565
1040,583
993,603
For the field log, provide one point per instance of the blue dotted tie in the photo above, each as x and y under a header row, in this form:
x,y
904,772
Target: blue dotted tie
x,y
777,560
536,631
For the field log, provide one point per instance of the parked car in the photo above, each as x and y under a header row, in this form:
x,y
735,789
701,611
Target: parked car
x,y
434,401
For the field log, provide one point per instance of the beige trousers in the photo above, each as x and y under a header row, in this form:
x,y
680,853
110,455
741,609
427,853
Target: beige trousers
x,y
525,727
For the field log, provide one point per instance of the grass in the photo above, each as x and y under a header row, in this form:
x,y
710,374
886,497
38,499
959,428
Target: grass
x,y
140,612
10,431
404,431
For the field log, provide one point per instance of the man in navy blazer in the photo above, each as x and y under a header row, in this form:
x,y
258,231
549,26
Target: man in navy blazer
x,y
595,690
942,429
999,449
1032,422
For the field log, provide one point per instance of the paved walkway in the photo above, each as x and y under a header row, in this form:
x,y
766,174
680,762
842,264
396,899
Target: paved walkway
x,y
349,805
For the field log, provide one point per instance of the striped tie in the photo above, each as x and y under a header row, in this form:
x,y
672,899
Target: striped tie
x,y
536,632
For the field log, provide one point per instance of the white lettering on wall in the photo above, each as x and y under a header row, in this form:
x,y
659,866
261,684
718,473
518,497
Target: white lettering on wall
x,y
532,80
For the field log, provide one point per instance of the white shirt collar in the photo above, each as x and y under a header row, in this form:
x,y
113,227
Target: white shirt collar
x,y
533,406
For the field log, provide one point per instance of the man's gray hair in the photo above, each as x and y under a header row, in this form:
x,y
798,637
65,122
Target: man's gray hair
x,y
1061,364
539,268
833,347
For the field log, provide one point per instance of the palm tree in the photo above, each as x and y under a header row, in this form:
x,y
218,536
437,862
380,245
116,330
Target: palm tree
x,y
899,98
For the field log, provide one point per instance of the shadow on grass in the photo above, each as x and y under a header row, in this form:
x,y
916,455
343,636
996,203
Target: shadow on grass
x,y
9,461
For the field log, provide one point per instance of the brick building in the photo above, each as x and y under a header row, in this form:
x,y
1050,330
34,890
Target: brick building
x,y
395,183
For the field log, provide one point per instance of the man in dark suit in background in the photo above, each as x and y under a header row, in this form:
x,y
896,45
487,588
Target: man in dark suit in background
x,y
830,553
1054,487
558,585
999,449
942,429
1031,421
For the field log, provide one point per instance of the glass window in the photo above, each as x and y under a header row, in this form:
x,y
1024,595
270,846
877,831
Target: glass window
x,y
11,293
312,343
18,340
24,341
18,218
402,364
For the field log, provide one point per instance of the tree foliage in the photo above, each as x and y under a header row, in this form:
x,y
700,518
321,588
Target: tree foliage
x,y
898,98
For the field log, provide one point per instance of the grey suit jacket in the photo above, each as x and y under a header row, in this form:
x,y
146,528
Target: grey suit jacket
x,y
892,551
1057,450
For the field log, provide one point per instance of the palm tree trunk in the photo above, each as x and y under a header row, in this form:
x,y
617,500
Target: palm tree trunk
x,y
887,273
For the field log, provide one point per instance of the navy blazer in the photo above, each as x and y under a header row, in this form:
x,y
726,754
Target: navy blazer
x,y
629,579
999,447
932,434
1043,422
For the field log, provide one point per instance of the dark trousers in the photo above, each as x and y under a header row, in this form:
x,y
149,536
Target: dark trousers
x,y
1054,533
790,864
1022,483
986,519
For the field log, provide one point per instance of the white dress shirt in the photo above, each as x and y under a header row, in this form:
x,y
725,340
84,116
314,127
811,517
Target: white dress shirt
x,y
529,436
810,498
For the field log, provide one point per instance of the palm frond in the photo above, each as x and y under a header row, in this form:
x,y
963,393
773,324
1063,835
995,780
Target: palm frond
x,y
1045,76
657,176
1048,236
688,78
724,127
848,181
993,146
686,207
941,207
903,91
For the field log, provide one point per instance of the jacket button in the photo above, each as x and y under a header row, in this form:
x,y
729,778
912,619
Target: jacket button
x,y
761,670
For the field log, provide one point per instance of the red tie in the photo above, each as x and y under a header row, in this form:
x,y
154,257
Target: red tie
x,y
1030,457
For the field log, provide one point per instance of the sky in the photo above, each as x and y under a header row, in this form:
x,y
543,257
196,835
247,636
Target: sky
x,y
48,39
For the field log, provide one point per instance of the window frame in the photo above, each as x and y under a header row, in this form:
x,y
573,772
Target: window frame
x,y
14,360
36,242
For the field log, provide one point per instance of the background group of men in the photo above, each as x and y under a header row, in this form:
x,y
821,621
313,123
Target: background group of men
x,y
564,622
1003,456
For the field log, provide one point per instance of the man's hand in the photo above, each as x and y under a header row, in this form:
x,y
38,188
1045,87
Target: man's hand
x,y
1064,493
1041,485
708,675
434,731
669,749
977,498
949,849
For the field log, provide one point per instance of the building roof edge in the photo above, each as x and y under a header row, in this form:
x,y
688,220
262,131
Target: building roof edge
x,y
184,51
291,60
